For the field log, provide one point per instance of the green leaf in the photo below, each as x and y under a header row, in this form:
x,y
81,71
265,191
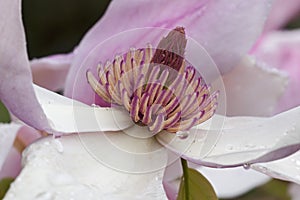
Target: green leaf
x,y
4,186
195,186
4,116
273,190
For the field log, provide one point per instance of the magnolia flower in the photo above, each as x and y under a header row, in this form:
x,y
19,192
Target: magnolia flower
x,y
60,174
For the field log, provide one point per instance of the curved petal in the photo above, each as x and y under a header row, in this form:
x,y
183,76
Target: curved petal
x,y
253,89
239,141
282,50
214,24
8,133
286,169
69,116
51,72
49,172
16,90
282,11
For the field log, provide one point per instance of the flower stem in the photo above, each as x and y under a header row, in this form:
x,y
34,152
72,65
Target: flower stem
x,y
185,178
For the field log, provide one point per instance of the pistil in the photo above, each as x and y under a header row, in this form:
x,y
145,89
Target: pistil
x,y
156,86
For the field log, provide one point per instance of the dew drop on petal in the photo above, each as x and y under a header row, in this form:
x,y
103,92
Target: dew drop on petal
x,y
246,166
44,196
229,147
94,105
182,134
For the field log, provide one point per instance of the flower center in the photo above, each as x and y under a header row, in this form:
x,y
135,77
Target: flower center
x,y
156,86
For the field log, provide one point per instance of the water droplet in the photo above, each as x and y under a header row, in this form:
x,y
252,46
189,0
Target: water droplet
x,y
263,169
246,166
182,134
250,146
44,196
297,162
95,105
229,147
58,145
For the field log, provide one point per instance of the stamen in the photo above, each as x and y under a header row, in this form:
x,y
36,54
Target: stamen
x,y
156,87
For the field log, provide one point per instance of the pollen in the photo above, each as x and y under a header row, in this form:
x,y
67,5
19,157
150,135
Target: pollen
x,y
157,86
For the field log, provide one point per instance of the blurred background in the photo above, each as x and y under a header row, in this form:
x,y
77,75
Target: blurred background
x,y
56,26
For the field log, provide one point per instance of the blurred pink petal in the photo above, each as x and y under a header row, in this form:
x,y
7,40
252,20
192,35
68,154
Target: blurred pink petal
x,y
214,24
9,156
28,135
16,90
282,51
253,89
282,12
12,165
294,191
50,72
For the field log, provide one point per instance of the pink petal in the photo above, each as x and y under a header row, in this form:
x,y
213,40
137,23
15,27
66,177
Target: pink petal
x,y
50,72
12,165
214,24
281,13
294,191
282,51
28,135
16,89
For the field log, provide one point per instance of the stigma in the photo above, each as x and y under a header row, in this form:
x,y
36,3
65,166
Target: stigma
x,y
157,86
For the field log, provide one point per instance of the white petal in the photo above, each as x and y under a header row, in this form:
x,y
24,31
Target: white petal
x,y
8,134
252,89
241,140
286,169
233,182
64,169
68,116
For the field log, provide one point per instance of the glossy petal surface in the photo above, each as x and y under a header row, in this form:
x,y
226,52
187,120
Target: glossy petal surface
x,y
286,169
239,141
62,169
